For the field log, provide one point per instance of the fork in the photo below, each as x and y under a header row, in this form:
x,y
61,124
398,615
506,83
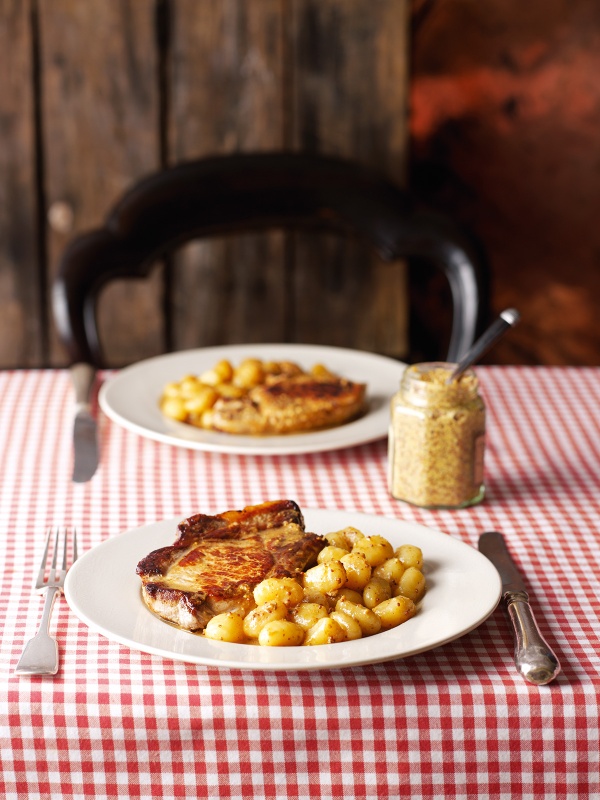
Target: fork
x,y
40,656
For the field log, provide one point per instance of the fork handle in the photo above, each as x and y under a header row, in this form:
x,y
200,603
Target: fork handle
x,y
40,656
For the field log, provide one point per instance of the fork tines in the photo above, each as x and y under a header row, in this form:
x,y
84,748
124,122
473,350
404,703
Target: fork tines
x,y
48,572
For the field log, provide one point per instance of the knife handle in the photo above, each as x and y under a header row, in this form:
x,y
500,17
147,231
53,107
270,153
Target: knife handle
x,y
533,656
82,377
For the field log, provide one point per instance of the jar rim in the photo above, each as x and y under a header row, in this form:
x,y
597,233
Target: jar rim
x,y
414,382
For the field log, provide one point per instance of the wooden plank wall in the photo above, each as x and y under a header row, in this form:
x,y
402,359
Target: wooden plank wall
x,y
103,92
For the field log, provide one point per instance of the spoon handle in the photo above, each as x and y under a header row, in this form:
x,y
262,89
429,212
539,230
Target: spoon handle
x,y
507,319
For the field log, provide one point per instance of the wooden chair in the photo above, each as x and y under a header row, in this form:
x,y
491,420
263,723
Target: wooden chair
x,y
241,193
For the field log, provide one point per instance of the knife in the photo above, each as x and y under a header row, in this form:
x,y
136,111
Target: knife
x,y
85,429
533,656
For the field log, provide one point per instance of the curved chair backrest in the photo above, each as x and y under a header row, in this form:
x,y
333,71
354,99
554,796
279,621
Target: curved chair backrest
x,y
240,193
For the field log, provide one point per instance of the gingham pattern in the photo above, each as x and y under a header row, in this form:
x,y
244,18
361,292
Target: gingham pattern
x,y
457,722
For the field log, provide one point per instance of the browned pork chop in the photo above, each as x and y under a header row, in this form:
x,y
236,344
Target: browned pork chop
x,y
290,405
216,562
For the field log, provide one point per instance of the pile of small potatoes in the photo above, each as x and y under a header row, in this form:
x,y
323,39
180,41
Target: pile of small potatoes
x,y
359,587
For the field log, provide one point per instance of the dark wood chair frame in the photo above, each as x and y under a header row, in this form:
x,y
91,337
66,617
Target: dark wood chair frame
x,y
224,195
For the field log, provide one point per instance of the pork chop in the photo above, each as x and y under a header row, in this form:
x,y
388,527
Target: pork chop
x,y
215,562
289,405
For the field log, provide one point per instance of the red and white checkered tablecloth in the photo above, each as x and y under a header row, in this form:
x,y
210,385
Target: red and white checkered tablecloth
x,y
455,722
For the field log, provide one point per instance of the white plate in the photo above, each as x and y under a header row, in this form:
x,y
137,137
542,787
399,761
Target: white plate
x,y
103,590
130,398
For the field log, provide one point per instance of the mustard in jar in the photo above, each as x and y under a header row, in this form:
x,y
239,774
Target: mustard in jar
x,y
437,438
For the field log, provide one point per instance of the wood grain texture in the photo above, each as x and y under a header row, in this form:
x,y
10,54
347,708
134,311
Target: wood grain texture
x,y
100,124
326,77
21,319
226,89
126,87
349,90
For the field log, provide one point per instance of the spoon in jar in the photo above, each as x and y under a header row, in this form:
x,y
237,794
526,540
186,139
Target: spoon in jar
x,y
507,319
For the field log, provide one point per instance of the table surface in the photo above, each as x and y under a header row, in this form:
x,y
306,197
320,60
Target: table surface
x,y
457,721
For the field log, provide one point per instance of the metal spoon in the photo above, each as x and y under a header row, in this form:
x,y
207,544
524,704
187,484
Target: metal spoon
x,y
507,319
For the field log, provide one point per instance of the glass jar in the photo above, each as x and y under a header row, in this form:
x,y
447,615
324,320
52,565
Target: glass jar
x,y
437,438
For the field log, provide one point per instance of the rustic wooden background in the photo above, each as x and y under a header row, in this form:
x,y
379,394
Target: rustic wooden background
x,y
490,111
102,92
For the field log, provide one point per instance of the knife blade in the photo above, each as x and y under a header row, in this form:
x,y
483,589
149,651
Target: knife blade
x,y
85,429
534,657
